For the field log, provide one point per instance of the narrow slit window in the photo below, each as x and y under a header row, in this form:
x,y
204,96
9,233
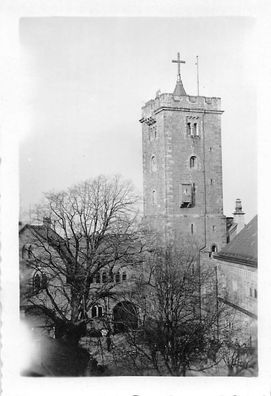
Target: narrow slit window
x,y
192,228
153,163
154,197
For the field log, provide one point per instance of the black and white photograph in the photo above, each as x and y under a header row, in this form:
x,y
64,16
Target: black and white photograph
x,y
137,209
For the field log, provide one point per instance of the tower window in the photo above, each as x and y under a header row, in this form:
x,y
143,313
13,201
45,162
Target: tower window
x,y
154,197
153,163
192,126
193,161
192,228
195,129
214,227
186,192
211,181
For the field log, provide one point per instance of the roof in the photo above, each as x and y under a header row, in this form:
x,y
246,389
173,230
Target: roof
x,y
243,249
179,89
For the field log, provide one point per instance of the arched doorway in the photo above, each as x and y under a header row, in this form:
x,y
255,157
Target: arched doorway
x,y
125,317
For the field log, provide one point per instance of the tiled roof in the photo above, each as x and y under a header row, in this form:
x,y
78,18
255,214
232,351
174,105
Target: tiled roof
x,y
243,249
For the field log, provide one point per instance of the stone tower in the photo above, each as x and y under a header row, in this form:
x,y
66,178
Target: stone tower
x,y
182,166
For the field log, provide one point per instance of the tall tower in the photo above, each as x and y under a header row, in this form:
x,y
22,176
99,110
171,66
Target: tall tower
x,y
182,166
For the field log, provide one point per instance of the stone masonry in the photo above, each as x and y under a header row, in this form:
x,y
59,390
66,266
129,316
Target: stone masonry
x,y
182,168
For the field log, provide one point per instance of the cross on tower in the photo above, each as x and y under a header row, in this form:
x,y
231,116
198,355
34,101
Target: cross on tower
x,y
179,65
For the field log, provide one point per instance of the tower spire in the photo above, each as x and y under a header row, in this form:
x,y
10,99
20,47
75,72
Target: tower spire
x,y
179,89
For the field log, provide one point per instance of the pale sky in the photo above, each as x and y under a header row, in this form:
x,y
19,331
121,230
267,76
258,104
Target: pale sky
x,y
86,79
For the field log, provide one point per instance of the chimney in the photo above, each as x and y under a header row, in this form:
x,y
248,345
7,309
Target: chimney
x,y
47,221
239,215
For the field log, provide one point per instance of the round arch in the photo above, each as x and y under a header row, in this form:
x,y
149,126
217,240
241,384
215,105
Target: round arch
x,y
125,317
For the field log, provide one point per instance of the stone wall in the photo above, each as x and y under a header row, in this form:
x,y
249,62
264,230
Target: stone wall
x,y
167,149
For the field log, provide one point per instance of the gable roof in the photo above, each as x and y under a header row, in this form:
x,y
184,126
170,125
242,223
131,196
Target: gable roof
x,y
243,249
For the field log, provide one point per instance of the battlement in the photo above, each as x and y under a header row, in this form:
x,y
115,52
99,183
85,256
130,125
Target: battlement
x,y
167,101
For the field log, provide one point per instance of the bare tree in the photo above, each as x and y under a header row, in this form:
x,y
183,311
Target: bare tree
x,y
175,334
91,232
237,349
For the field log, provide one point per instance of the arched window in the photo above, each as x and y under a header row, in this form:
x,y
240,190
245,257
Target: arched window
x,y
214,248
94,312
111,276
117,277
44,281
153,163
100,311
193,161
98,278
124,276
104,277
27,251
40,281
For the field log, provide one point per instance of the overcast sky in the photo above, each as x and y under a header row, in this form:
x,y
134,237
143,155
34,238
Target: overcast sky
x,y
86,79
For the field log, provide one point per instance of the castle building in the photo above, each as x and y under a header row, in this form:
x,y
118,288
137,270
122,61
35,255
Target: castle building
x,y
237,265
182,167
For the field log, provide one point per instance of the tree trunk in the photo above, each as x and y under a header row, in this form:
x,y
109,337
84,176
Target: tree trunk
x,y
230,371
